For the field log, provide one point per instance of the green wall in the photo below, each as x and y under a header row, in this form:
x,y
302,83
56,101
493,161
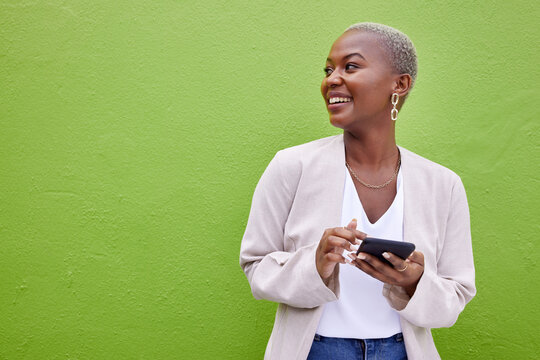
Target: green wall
x,y
133,134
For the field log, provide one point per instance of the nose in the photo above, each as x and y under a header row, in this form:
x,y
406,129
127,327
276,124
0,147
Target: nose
x,y
334,79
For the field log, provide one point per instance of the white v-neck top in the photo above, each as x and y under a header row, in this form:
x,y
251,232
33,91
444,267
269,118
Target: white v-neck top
x,y
362,312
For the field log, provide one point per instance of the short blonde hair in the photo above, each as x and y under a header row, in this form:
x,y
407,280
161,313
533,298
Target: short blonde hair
x,y
400,48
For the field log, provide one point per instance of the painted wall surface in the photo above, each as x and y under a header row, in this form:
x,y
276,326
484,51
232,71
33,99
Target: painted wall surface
x,y
134,132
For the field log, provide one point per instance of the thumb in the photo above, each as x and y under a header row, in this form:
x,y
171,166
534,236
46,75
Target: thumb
x,y
352,225
417,257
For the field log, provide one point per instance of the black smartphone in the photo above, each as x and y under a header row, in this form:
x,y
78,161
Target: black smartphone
x,y
376,247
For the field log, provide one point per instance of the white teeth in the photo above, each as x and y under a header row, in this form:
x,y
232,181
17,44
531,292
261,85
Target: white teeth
x,y
334,100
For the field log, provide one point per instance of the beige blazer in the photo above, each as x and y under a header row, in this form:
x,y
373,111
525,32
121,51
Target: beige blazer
x,y
300,194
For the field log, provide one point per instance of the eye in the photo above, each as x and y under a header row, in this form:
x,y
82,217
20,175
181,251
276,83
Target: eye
x,y
327,71
350,66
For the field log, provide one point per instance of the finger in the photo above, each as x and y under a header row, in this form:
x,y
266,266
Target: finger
x,y
359,234
337,244
377,264
399,263
352,225
352,235
417,257
346,234
333,258
366,267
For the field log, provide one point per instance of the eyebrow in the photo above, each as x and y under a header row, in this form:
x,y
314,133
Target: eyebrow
x,y
349,56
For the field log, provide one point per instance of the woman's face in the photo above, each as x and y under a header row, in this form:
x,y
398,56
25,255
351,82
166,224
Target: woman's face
x,y
359,80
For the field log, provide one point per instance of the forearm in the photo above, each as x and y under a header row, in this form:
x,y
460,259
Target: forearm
x,y
292,279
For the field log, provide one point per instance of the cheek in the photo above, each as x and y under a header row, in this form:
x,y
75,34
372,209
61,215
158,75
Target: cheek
x,y
366,89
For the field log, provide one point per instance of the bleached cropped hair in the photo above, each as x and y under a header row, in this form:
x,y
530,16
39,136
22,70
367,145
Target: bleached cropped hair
x,y
398,45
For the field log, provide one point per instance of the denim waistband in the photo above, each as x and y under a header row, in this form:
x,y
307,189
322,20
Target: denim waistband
x,y
397,337
324,348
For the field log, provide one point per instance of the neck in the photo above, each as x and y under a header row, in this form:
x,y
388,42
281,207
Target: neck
x,y
371,148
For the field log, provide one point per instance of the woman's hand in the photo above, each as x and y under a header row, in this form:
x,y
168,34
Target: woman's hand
x,y
404,273
330,249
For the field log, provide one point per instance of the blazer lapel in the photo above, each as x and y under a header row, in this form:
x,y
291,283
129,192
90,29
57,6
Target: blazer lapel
x,y
412,201
408,193
332,177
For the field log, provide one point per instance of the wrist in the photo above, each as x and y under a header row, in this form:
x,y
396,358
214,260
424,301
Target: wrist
x,y
410,289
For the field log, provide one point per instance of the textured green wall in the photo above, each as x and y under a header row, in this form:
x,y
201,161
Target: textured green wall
x,y
133,134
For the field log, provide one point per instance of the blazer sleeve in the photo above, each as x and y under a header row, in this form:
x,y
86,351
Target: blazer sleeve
x,y
288,277
441,296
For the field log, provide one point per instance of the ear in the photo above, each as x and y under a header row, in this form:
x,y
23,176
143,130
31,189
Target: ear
x,y
402,85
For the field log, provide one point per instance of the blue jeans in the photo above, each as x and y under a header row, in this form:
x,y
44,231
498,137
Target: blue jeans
x,y
329,348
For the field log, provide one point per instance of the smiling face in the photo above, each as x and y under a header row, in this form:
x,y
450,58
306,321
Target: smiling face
x,y
359,81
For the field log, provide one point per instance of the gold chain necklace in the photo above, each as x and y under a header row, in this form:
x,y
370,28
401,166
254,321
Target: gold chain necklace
x,y
376,186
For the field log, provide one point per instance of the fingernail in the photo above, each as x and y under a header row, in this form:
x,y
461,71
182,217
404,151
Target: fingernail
x,y
354,219
361,256
386,255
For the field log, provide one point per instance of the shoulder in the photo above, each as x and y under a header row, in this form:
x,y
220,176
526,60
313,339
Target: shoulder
x,y
425,170
438,188
292,162
308,148
317,153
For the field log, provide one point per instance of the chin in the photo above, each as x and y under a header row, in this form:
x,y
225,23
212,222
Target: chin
x,y
337,122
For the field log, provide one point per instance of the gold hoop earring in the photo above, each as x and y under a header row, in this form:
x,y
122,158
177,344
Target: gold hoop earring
x,y
394,112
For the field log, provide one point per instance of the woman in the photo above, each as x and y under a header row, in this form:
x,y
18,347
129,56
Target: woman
x,y
303,222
